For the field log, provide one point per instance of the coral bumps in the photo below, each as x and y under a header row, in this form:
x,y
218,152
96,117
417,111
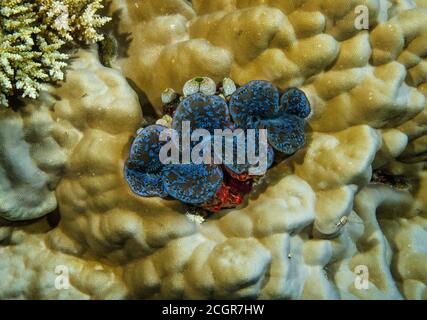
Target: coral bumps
x,y
312,221
32,34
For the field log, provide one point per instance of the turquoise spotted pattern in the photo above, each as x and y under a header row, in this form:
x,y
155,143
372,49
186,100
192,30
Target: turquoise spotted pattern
x,y
145,184
256,105
286,134
192,183
294,101
254,101
145,149
243,168
143,168
203,112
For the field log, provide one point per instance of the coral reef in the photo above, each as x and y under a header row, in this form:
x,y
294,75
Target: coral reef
x,y
305,228
32,34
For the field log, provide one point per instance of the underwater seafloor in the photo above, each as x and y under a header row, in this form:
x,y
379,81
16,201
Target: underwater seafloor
x,y
342,217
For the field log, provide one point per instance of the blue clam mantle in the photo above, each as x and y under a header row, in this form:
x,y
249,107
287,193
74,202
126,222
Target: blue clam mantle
x,y
256,105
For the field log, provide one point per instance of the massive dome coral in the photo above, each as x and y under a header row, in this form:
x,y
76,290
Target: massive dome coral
x,y
354,198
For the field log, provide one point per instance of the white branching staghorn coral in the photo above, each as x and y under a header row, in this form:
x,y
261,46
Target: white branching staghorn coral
x,y
32,34
309,224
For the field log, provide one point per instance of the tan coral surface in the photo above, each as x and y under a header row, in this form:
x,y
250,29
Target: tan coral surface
x,y
310,224
31,161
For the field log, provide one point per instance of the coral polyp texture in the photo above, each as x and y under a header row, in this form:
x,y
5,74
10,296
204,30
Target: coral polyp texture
x,y
340,214
32,35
